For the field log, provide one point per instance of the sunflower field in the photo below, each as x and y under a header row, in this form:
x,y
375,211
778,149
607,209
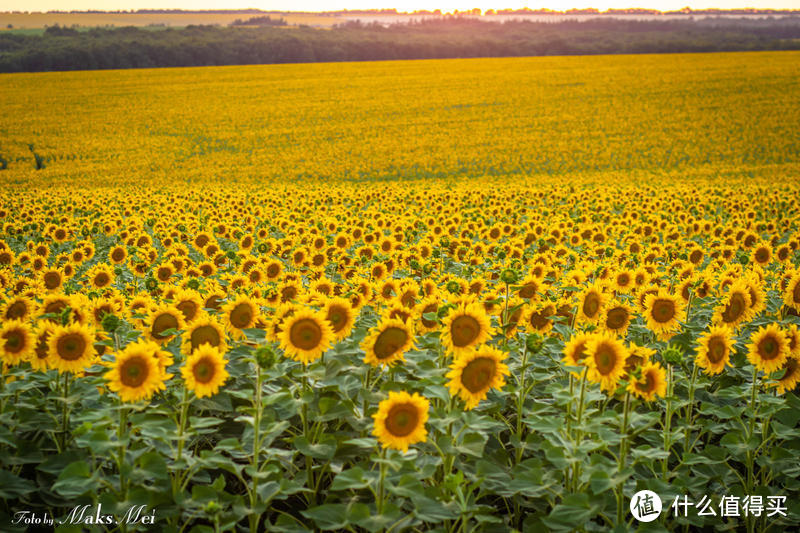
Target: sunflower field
x,y
452,296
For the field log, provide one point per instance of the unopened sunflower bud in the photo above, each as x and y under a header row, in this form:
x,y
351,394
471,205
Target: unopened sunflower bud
x,y
193,284
533,343
265,357
672,355
453,287
110,322
212,508
509,276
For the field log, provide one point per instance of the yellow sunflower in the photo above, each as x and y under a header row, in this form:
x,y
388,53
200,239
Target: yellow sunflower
x,y
17,308
206,329
768,348
617,317
190,303
537,318
387,342
41,356
790,376
791,295
100,276
575,349
592,301
341,317
240,313
735,308
400,420
605,360
651,383
137,372
427,305
663,313
71,348
714,350
305,335
472,374
465,326
17,342
204,371
163,318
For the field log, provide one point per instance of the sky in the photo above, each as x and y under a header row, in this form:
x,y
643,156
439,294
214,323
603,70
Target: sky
x,y
400,5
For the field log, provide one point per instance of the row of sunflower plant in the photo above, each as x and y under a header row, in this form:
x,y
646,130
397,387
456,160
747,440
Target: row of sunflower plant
x,y
351,372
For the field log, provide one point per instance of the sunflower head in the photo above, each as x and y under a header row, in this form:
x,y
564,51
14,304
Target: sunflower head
x,y
204,330
387,342
17,342
137,373
71,348
163,322
204,371
650,383
474,373
768,348
400,420
714,350
306,335
664,313
605,360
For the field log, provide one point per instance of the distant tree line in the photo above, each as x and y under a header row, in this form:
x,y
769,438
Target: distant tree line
x,y
260,21
449,37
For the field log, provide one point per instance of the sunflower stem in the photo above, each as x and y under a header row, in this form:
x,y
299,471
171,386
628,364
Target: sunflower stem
x,y
65,412
751,429
123,426
381,478
623,445
667,423
521,402
309,462
182,424
577,469
689,409
257,409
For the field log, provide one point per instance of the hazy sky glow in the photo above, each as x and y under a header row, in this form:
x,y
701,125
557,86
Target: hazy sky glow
x,y
401,5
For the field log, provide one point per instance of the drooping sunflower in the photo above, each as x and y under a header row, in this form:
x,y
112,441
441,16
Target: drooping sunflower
x,y
592,301
306,335
427,306
206,329
537,318
617,317
137,372
465,326
663,313
161,319
71,348
472,374
17,342
387,342
41,356
637,356
400,420
54,305
341,316
735,308
204,371
768,348
605,360
714,350
652,382
240,313
789,377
